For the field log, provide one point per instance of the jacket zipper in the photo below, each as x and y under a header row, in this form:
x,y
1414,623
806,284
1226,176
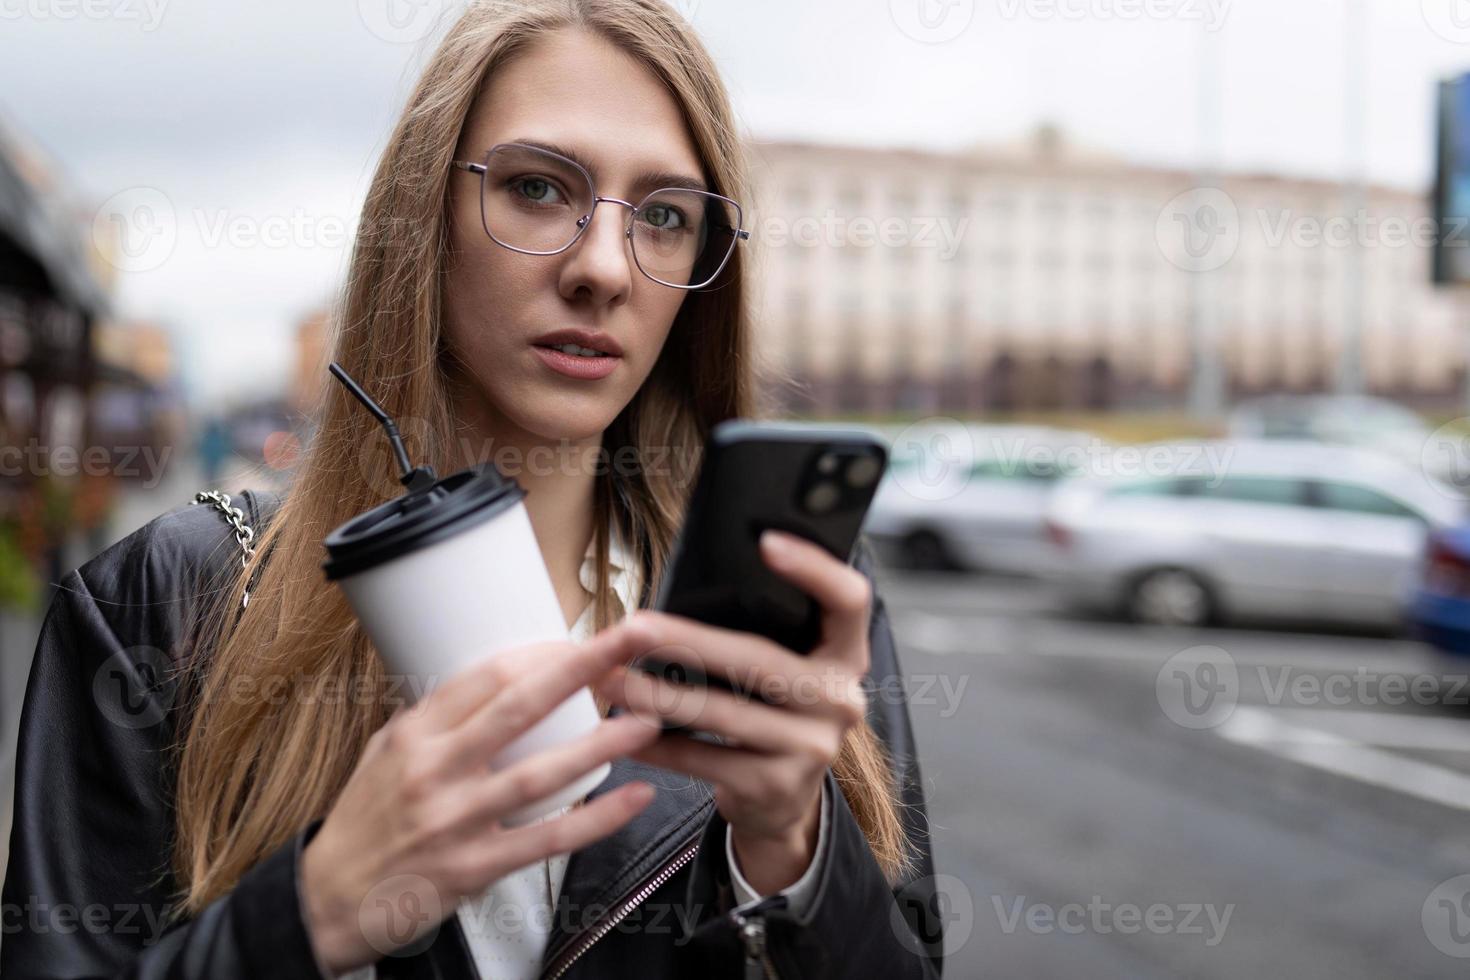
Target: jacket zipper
x,y
753,936
621,912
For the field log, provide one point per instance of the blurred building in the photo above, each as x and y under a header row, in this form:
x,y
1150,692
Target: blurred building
x,y
137,401
1036,276
50,301
313,334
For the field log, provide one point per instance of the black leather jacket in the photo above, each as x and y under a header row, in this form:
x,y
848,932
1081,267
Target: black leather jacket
x,y
88,876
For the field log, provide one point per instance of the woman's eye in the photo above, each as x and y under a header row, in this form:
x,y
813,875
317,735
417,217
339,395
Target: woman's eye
x,y
663,217
537,190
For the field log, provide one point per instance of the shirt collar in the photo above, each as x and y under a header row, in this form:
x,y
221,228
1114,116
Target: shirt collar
x,y
622,569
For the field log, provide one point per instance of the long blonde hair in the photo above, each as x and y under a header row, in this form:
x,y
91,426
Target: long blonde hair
x,y
253,770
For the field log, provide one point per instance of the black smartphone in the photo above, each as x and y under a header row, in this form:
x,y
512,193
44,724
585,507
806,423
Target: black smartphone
x,y
812,481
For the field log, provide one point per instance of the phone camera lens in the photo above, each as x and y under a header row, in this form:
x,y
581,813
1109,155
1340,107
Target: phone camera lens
x,y
822,497
862,471
827,464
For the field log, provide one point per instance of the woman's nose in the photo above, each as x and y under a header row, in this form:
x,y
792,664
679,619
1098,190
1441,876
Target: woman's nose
x,y
601,261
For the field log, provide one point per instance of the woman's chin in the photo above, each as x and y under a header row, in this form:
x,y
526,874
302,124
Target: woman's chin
x,y
558,421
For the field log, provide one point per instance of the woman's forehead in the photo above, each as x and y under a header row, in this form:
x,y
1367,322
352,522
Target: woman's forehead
x,y
579,92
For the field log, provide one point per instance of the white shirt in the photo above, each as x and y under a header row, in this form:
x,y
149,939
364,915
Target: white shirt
x,y
507,926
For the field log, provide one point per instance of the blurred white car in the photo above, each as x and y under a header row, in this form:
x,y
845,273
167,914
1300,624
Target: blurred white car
x,y
974,496
1250,529
1356,420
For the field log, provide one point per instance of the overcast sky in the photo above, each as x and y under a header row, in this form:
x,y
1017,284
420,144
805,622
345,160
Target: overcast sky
x,y
239,121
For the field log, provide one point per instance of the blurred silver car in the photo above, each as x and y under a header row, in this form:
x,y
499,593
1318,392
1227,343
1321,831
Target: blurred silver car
x,y
1250,529
1357,420
974,496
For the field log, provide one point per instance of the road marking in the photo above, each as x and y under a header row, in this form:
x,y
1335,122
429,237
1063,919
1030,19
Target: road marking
x,y
950,635
1384,729
1261,728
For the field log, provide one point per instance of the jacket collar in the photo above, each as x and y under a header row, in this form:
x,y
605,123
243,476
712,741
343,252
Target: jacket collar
x,y
606,872
610,870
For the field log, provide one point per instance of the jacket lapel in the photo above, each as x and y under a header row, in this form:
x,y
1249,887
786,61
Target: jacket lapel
x,y
603,873
597,877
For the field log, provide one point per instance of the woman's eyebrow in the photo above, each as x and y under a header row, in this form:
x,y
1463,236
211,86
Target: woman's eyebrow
x,y
649,178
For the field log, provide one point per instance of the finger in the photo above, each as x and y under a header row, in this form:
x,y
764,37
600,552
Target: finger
x,y
542,687
740,771
544,773
842,591
507,850
454,700
757,666
750,724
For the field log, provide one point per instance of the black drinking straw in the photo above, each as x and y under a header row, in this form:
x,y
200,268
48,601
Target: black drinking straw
x,y
414,477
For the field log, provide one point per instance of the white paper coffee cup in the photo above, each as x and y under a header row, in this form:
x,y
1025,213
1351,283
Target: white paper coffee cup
x,y
445,582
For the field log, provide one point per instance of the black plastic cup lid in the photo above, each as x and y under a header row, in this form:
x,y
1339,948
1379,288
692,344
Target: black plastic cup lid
x,y
417,520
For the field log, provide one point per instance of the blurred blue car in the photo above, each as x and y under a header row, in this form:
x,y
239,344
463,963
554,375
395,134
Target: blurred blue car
x,y
1439,612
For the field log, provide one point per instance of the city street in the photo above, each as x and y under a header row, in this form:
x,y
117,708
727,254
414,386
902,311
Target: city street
x,y
1308,830
1092,826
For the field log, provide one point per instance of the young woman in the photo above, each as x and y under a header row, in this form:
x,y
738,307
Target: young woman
x,y
203,791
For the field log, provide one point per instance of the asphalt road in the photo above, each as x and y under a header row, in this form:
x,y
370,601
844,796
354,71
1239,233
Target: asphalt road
x,y
1119,801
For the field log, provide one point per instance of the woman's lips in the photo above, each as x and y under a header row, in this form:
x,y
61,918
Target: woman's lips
x,y
576,366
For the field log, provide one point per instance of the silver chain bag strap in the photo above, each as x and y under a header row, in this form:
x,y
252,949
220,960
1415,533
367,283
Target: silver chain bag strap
x,y
244,533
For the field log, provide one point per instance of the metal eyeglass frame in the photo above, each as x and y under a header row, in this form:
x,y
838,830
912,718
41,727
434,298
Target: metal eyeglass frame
x,y
483,170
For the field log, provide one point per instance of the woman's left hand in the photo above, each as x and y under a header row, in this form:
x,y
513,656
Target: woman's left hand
x,y
768,774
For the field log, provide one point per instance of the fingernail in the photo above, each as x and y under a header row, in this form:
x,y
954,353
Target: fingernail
x,y
775,543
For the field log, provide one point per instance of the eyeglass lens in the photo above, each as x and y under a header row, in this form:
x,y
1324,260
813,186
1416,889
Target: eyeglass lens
x,y
533,201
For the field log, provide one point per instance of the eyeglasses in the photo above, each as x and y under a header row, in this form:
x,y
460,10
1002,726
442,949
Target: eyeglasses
x,y
539,203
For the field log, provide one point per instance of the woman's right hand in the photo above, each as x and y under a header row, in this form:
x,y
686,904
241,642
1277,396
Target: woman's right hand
x,y
416,829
